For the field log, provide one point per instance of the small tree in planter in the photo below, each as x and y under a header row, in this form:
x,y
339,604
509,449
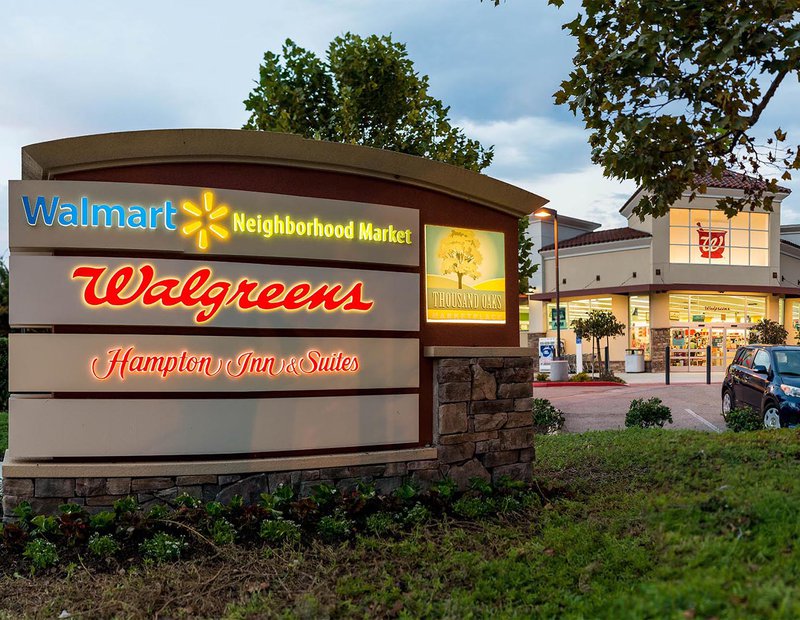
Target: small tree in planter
x,y
768,332
598,325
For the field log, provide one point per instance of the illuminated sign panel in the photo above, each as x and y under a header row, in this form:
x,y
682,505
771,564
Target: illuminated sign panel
x,y
195,220
105,427
154,363
464,275
72,290
230,393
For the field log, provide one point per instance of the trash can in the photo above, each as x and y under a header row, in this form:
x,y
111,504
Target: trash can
x,y
559,370
634,360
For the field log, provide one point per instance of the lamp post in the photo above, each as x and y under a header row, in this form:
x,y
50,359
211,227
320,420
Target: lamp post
x,y
544,212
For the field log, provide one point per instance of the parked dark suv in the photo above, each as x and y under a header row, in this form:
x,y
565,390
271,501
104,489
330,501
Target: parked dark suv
x,y
767,379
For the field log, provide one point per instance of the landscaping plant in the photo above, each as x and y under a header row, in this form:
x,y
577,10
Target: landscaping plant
x,y
166,534
743,419
647,413
547,419
767,331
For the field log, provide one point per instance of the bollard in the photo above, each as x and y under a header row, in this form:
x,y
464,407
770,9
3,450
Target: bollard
x,y
607,362
666,368
708,364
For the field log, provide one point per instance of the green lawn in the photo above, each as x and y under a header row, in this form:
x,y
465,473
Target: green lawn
x,y
3,433
639,524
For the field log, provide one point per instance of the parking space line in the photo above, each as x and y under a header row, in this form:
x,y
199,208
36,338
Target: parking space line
x,y
703,420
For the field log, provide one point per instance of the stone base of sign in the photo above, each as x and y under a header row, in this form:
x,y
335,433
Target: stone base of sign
x,y
483,427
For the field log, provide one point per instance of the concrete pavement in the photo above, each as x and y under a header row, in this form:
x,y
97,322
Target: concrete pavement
x,y
693,405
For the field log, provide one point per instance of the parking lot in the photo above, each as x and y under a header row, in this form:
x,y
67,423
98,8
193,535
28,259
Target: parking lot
x,y
694,405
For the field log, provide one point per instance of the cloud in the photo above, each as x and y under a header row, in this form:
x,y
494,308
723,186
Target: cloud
x,y
584,193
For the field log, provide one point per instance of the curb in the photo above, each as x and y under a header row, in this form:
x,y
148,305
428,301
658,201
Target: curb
x,y
579,383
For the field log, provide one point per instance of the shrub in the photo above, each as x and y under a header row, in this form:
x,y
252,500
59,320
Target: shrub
x,y
610,377
406,491
103,546
547,419
381,524
581,377
222,532
416,515
102,520
473,507
743,419
542,376
163,547
41,553
280,532
647,413
335,527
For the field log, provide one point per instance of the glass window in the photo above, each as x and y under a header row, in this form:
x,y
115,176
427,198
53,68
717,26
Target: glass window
x,y
759,221
679,253
680,235
689,308
762,359
576,309
639,322
759,258
758,239
679,217
747,359
707,236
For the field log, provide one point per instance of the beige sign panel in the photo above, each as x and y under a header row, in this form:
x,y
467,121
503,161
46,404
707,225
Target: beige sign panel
x,y
44,215
67,428
159,363
68,290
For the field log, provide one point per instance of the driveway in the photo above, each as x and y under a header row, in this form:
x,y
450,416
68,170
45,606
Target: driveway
x,y
694,406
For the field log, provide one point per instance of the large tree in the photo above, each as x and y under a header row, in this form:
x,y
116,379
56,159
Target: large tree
x,y
672,91
365,91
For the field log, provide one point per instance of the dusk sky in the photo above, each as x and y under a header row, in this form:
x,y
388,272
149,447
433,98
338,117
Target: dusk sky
x,y
75,68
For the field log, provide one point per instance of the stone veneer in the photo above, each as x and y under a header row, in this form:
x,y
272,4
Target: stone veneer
x,y
483,427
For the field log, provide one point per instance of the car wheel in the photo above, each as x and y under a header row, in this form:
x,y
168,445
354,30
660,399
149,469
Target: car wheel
x,y
728,404
772,418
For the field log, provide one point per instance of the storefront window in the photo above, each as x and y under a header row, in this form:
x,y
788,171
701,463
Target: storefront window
x,y
686,308
703,236
639,321
524,317
578,309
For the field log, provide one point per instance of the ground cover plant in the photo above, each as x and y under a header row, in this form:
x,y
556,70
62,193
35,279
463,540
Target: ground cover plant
x,y
632,524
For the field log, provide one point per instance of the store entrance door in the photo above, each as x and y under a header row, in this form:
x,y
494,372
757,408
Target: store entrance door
x,y
688,346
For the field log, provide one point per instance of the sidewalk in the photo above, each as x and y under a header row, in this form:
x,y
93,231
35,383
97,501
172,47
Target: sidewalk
x,y
640,378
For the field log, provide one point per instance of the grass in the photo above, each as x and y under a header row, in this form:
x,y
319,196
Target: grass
x,y
638,524
3,433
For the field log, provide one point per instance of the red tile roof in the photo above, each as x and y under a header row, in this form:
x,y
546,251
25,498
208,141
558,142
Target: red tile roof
x,y
735,180
600,236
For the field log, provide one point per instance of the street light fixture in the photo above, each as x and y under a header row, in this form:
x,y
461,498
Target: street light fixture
x,y
544,212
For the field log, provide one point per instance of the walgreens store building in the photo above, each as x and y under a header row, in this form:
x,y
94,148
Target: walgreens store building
x,y
690,279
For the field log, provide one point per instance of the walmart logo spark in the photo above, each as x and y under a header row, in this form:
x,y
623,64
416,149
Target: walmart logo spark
x,y
206,221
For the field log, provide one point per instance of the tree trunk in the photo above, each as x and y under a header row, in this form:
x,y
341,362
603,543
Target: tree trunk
x,y
460,275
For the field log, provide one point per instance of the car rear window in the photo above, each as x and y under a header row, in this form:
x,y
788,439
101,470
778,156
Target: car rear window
x,y
747,358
